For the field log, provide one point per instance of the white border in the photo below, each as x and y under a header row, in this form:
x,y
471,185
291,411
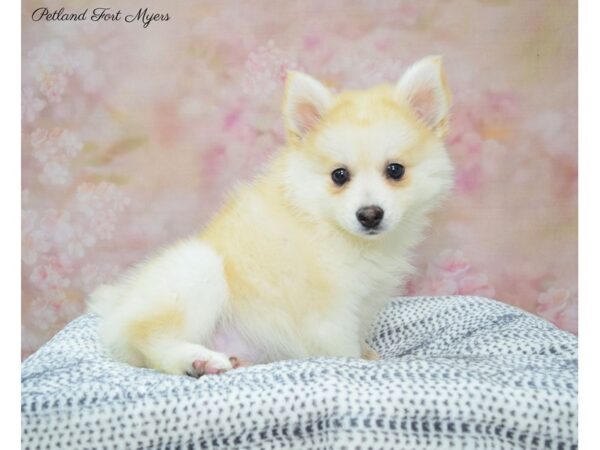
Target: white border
x,y
589,222
10,221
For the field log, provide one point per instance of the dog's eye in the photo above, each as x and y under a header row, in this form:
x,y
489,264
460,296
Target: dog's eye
x,y
340,176
395,171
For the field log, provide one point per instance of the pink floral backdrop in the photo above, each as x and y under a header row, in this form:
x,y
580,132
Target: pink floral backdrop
x,y
131,135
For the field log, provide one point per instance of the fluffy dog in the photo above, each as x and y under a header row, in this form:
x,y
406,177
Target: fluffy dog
x,y
298,262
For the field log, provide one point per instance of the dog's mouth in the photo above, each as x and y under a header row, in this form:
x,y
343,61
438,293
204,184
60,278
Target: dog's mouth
x,y
372,232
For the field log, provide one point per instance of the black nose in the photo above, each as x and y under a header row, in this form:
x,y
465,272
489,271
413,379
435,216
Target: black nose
x,y
369,216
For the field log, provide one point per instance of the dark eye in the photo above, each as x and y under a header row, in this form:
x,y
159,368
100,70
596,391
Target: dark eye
x,y
340,176
395,171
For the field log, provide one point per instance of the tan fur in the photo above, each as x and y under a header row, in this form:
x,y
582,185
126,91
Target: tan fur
x,y
166,320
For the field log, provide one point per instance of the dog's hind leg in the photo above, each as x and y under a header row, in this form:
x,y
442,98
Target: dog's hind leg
x,y
167,309
176,356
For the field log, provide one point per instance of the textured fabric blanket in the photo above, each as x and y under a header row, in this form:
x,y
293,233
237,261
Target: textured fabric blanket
x,y
456,372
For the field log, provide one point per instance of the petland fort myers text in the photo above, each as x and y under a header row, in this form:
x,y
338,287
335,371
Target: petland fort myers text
x,y
142,16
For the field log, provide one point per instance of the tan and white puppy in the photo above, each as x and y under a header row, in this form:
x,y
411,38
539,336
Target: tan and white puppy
x,y
299,261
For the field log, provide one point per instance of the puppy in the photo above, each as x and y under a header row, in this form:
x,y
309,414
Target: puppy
x,y
298,262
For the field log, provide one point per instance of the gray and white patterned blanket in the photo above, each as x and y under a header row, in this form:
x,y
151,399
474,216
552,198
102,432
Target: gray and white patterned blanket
x,y
457,372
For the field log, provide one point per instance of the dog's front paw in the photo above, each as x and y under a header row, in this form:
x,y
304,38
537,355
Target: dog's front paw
x,y
369,354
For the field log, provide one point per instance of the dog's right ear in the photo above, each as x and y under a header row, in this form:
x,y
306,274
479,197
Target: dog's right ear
x,y
305,102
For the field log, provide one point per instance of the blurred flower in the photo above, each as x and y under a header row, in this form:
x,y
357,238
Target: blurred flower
x,y
51,66
438,285
67,234
98,206
559,307
50,275
53,86
46,311
265,70
31,105
33,240
451,263
477,284
54,150
451,273
55,308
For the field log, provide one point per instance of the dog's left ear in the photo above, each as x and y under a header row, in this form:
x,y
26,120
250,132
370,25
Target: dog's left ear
x,y
305,102
423,88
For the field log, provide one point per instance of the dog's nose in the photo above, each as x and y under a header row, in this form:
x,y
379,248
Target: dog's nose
x,y
369,216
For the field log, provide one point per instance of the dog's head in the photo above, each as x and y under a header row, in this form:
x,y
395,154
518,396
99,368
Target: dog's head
x,y
363,159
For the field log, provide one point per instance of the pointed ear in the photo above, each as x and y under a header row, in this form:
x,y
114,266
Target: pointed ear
x,y
305,102
423,88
